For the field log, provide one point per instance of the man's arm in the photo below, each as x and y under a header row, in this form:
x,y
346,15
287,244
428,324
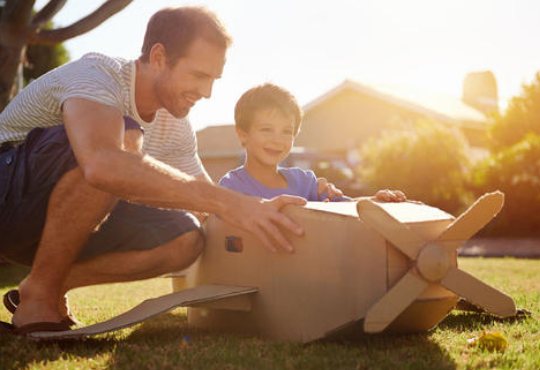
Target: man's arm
x,y
202,216
96,132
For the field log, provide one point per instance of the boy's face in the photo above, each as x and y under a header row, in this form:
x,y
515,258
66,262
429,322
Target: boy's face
x,y
270,137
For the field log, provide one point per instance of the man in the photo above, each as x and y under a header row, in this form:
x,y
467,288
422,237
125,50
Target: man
x,y
72,147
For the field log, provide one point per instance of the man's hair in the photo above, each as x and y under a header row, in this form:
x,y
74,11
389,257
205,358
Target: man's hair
x,y
264,97
177,28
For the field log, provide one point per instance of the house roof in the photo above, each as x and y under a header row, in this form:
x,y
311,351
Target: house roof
x,y
438,106
218,141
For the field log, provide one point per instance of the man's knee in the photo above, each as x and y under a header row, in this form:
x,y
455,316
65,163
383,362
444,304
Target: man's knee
x,y
184,250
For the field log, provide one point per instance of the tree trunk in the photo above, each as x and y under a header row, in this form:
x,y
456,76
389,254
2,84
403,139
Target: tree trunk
x,y
18,27
15,30
10,60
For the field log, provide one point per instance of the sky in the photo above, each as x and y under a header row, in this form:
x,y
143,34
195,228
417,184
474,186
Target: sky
x,y
311,46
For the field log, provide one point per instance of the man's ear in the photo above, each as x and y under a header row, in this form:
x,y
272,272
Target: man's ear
x,y
158,57
242,136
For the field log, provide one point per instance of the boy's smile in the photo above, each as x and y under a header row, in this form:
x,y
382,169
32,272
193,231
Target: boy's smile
x,y
269,138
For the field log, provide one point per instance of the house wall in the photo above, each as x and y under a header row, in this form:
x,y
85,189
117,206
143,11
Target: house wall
x,y
217,167
348,120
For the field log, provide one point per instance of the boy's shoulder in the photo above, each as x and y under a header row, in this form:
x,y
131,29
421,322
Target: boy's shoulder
x,y
298,173
232,175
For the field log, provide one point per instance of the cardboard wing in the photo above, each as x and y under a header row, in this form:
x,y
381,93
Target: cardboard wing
x,y
151,308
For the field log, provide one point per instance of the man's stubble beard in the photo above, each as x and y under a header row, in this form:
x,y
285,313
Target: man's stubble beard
x,y
161,92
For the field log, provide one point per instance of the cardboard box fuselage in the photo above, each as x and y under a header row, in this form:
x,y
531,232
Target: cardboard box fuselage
x,y
339,269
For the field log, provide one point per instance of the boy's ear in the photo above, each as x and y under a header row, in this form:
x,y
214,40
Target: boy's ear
x,y
242,136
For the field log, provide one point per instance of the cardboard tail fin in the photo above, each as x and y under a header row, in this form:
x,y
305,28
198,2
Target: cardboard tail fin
x,y
152,308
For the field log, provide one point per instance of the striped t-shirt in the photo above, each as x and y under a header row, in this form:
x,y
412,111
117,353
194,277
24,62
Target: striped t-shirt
x,y
105,80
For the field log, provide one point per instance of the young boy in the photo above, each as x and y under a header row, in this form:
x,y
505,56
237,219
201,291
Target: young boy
x,y
268,120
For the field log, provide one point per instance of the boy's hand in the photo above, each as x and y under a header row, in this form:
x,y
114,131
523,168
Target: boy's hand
x,y
331,190
261,217
388,195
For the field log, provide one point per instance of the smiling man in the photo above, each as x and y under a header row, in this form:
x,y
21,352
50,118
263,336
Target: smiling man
x,y
90,186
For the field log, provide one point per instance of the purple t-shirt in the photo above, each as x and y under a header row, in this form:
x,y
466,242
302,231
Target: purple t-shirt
x,y
299,182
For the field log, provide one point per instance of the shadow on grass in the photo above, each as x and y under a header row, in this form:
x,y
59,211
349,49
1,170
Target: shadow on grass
x,y
463,320
19,352
11,275
167,343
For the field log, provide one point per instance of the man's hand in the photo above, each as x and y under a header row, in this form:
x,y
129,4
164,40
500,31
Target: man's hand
x,y
388,195
263,218
331,190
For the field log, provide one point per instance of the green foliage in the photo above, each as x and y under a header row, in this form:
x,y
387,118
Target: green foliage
x,y
516,172
514,165
41,58
426,162
521,117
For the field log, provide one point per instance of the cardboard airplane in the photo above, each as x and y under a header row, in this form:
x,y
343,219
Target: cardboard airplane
x,y
360,267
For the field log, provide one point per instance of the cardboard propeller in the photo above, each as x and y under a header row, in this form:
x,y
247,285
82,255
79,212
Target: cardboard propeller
x,y
432,262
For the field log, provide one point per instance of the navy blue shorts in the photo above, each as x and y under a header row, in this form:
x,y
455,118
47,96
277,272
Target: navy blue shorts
x,y
28,174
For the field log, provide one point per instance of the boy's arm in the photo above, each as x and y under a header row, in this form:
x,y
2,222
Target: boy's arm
x,y
331,190
387,195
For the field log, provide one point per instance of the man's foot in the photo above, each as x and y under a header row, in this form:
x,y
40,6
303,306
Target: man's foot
x,y
12,301
36,305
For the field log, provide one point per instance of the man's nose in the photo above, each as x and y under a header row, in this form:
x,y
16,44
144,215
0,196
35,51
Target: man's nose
x,y
206,89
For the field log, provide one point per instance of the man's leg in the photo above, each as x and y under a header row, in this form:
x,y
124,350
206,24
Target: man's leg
x,y
115,267
75,209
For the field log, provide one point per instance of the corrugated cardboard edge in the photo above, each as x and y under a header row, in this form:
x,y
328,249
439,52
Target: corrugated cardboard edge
x,y
152,308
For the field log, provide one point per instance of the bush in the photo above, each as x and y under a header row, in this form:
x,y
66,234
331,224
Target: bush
x,y
516,172
521,117
427,162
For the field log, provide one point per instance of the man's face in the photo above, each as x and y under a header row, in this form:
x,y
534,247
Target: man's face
x,y
179,87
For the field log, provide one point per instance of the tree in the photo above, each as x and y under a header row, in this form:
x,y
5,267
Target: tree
x,y
41,58
427,162
514,165
20,26
521,117
515,171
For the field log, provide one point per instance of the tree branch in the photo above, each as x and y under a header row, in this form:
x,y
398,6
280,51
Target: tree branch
x,y
17,11
47,13
82,26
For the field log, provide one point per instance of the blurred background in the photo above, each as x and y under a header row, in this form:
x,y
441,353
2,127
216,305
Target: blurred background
x,y
439,99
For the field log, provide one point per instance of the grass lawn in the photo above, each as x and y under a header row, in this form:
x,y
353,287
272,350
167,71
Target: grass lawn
x,y
167,343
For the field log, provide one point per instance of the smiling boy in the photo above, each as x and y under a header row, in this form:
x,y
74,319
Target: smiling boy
x,y
268,119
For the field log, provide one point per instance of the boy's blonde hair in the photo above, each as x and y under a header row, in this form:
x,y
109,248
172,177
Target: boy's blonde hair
x,y
263,97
